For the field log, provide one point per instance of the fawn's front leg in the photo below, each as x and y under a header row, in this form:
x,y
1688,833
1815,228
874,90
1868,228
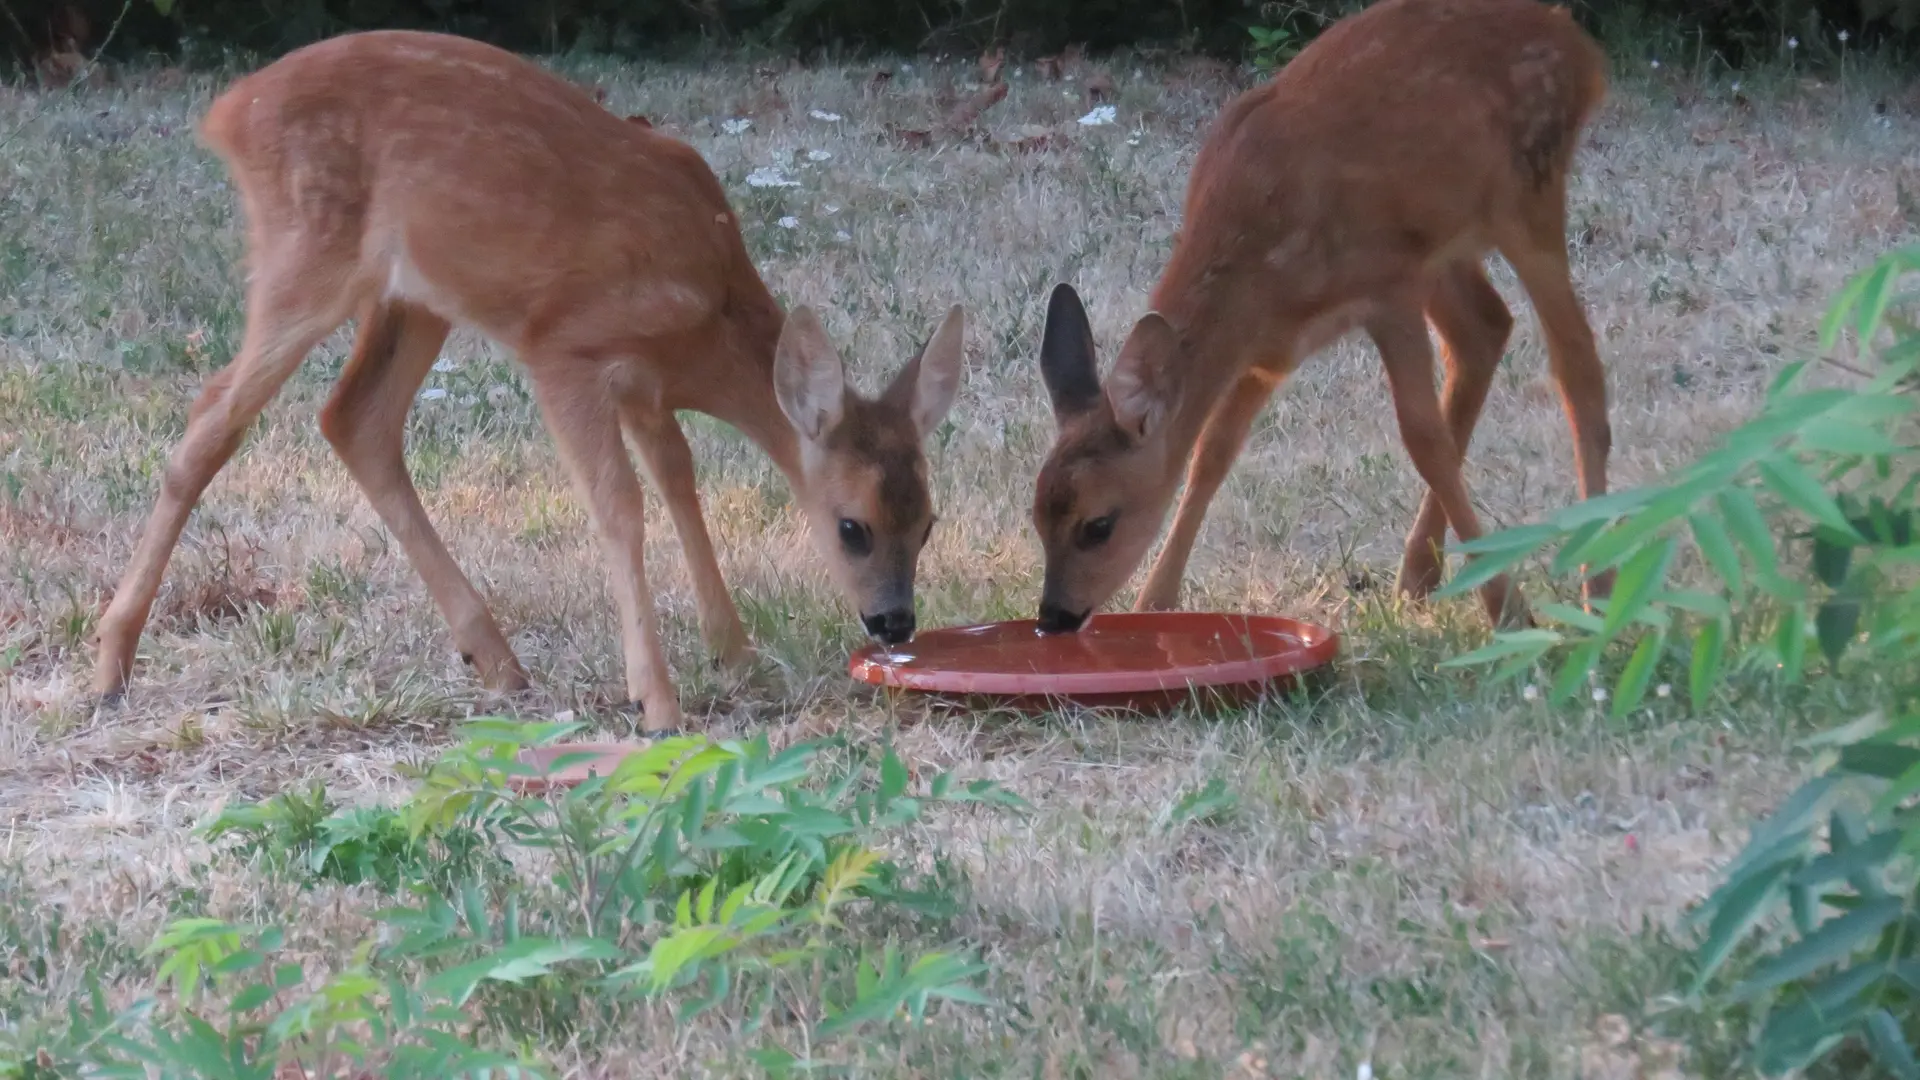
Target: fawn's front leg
x,y
578,403
669,462
1219,447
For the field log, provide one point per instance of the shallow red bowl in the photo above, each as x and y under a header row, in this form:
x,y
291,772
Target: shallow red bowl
x,y
1144,660
607,757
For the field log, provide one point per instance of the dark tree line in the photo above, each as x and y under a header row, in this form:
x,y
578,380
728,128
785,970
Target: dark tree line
x,y
1740,31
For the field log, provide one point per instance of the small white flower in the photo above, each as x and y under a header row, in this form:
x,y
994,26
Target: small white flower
x,y
830,208
818,155
788,222
1843,37
1133,139
1656,64
822,114
1663,690
432,393
1101,114
906,68
444,365
735,126
842,236
1066,78
1017,72
1138,74
1531,693
1736,86
1599,694
499,395
770,176
1793,43
1365,1072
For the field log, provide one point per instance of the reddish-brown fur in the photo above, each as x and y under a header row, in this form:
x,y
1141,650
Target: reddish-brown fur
x,y
1360,188
418,180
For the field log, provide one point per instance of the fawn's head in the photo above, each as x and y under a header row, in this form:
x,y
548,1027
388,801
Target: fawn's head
x,y
863,475
1105,486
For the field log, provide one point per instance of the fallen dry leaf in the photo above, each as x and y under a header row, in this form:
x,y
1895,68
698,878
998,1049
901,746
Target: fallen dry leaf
x,y
70,27
1061,66
1099,88
1615,1053
59,68
766,102
990,64
1203,73
913,138
967,113
1028,139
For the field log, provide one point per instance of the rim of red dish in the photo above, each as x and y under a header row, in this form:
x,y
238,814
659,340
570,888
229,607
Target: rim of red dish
x,y
1317,646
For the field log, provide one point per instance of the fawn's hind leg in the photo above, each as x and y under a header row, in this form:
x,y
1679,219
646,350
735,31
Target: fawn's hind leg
x,y
366,421
1538,254
286,317
1474,324
1400,333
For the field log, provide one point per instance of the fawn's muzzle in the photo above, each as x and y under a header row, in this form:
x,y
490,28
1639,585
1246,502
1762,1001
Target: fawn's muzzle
x,y
1055,619
890,627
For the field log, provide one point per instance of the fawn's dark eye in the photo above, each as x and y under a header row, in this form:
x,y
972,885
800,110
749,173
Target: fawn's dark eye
x,y
1095,531
855,537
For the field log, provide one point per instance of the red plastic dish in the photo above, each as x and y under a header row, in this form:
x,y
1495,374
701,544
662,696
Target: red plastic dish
x,y
607,757
1141,660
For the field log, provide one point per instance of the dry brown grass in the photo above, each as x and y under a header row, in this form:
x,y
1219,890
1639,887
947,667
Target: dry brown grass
x,y
1421,873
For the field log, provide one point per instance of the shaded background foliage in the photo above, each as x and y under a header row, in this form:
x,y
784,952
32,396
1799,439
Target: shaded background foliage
x,y
1740,32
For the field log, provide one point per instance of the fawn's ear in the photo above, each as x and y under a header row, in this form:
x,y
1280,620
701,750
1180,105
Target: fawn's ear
x,y
930,381
1066,355
807,377
1140,388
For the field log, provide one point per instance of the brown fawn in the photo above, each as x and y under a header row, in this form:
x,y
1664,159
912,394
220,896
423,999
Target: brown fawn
x,y
1361,187
416,180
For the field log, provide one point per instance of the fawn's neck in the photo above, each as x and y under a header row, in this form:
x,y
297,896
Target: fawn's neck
x,y
735,384
1225,324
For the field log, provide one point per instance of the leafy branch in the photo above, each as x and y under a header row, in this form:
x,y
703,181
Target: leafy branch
x,y
1831,467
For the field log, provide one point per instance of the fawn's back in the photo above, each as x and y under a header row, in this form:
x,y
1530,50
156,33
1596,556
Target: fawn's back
x,y
535,215
1409,135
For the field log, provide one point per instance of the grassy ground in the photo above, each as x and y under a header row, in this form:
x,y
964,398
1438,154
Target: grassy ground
x,y
1422,873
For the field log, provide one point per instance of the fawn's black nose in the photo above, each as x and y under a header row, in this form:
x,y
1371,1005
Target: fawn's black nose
x,y
890,627
1055,619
